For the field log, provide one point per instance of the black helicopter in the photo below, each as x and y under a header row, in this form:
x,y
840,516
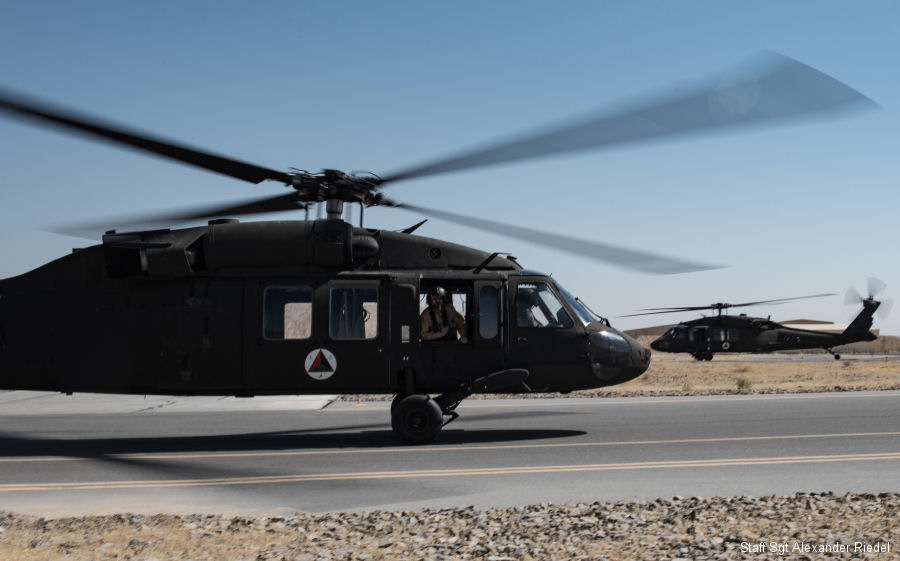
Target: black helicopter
x,y
323,307
704,337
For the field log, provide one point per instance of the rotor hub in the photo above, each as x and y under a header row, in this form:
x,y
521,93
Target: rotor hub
x,y
332,184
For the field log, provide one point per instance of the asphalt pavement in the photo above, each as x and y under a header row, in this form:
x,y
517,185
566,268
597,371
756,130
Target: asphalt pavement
x,y
276,459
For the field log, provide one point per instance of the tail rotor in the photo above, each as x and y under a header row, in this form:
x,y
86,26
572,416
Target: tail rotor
x,y
875,287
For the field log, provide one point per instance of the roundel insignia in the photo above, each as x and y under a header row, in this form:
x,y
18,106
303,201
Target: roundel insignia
x,y
320,364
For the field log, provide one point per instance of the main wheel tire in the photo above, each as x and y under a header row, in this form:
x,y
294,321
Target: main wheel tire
x,y
417,419
397,399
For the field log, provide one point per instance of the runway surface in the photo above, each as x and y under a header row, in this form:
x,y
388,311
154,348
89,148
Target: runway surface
x,y
498,453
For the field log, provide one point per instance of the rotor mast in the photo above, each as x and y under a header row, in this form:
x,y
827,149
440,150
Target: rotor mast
x,y
334,209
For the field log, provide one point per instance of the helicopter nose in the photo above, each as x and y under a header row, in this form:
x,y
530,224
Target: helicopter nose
x,y
640,356
616,357
655,345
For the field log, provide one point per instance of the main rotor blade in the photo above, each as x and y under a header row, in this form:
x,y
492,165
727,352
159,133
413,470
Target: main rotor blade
x,y
92,230
723,306
771,88
627,258
677,309
672,311
781,300
59,117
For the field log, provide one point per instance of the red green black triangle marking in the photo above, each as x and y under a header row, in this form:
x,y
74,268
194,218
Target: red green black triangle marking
x,y
321,364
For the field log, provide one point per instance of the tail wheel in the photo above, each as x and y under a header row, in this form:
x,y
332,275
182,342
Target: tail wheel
x,y
417,419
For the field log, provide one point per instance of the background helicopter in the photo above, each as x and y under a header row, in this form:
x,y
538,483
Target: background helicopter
x,y
704,337
323,307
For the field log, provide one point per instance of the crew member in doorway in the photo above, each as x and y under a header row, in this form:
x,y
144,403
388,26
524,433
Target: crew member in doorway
x,y
440,321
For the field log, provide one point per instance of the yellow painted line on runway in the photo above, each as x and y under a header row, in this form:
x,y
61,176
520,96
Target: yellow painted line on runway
x,y
447,448
612,401
459,472
484,403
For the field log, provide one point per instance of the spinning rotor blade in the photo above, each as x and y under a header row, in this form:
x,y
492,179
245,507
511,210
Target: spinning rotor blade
x,y
89,230
56,116
885,308
875,287
852,296
723,306
773,87
781,300
667,311
623,257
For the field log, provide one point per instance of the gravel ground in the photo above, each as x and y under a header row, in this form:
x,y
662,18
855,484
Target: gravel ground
x,y
801,526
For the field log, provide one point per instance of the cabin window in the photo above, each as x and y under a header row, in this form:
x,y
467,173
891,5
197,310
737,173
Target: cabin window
x,y
353,312
537,306
287,312
459,300
732,334
457,310
488,312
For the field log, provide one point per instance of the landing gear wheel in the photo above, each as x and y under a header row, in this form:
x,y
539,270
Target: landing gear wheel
x,y
397,399
837,356
417,419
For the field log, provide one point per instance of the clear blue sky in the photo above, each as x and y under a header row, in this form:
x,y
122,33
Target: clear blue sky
x,y
798,209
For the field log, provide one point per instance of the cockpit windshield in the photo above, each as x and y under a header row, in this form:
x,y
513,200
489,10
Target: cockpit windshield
x,y
583,312
677,332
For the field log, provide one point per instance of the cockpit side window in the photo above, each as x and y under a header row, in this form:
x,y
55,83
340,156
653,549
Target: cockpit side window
x,y
538,306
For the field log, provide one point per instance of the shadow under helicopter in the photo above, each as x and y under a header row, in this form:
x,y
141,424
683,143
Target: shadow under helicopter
x,y
114,449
